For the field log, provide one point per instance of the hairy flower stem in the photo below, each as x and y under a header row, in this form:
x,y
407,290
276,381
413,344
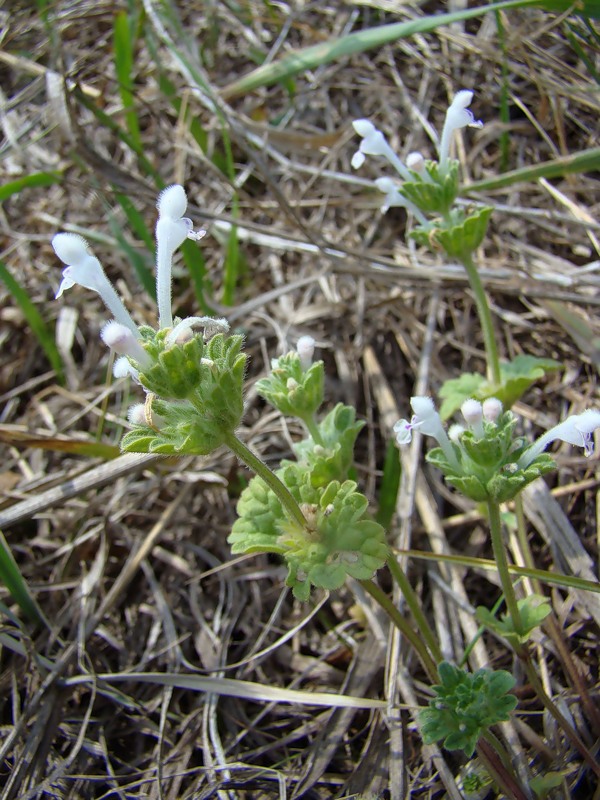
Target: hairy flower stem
x,y
412,601
260,468
502,564
485,319
403,626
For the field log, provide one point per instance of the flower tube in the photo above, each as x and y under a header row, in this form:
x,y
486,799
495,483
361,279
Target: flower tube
x,y
85,270
577,429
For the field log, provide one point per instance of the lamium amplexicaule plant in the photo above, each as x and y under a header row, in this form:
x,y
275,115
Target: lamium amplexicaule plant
x,y
309,511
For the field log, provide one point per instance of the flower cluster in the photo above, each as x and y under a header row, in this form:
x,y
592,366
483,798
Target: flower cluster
x,y
193,381
429,188
485,460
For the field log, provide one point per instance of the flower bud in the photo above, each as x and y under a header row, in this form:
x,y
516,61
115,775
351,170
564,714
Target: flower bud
x,y
492,408
120,339
305,349
473,414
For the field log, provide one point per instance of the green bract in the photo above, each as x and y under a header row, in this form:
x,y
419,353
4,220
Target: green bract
x,y
291,389
458,234
465,706
210,376
434,192
487,468
175,371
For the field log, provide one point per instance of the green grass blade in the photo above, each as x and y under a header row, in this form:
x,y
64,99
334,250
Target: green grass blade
x,y
542,575
193,259
10,576
137,224
584,161
32,181
186,53
135,220
504,95
124,49
232,259
390,483
34,319
326,52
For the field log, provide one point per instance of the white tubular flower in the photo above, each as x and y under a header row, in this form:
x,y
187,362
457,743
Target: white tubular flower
x,y
577,429
492,408
458,116
426,420
305,349
394,198
172,229
374,144
211,325
472,411
85,270
120,339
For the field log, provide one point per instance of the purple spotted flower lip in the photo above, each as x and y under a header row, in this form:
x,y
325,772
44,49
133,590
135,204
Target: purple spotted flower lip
x,y
426,420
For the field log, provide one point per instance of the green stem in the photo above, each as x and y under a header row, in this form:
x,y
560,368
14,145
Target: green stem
x,y
394,614
313,429
260,468
485,319
412,601
502,564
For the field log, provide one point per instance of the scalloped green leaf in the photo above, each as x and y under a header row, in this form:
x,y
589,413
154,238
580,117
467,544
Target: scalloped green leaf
x,y
516,377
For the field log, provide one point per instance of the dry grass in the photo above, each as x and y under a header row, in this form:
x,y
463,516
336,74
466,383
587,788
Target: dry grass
x,y
133,568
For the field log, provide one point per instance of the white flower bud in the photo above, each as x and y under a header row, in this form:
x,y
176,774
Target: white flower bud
x,y
120,339
455,432
137,414
473,414
415,161
492,408
305,349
